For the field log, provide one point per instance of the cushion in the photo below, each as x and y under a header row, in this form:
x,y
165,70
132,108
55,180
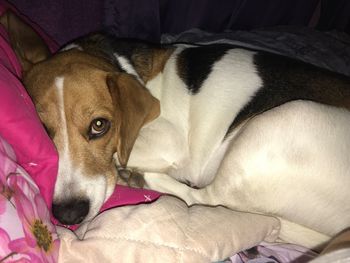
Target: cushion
x,y
26,232
165,231
20,125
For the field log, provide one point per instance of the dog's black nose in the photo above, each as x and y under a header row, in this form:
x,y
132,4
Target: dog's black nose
x,y
71,212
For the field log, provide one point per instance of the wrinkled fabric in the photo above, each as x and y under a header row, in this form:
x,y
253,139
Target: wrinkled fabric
x,y
20,125
336,256
274,253
26,232
152,18
329,50
166,230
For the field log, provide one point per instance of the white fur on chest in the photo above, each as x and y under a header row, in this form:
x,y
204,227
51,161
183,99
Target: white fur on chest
x,y
197,123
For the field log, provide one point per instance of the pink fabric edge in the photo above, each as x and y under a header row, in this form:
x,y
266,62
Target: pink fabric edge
x,y
122,195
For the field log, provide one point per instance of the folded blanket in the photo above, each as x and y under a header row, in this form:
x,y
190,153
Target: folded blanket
x,y
165,231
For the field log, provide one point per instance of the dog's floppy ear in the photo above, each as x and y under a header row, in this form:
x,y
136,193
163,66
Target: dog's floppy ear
x,y
27,44
135,107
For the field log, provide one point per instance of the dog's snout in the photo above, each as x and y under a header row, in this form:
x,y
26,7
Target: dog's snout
x,y
71,212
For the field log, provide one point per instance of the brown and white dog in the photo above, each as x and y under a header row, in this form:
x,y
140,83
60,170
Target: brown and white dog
x,y
214,125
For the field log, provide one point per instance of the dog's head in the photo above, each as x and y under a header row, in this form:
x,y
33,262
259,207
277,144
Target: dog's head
x,y
90,111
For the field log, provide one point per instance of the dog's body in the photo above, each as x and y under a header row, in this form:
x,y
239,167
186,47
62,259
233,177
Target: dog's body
x,y
253,131
292,161
248,129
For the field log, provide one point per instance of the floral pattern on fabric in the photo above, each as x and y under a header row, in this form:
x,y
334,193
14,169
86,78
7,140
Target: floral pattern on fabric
x,y
26,232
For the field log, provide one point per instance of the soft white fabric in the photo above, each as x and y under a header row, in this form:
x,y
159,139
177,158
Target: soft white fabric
x,y
165,231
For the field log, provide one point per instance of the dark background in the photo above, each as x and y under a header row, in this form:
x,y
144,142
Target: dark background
x,y
65,20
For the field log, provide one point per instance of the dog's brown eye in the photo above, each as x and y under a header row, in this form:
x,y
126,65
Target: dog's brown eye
x,y
98,127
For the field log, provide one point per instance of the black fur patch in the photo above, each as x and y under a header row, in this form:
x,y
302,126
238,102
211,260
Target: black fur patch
x,y
105,45
286,79
195,64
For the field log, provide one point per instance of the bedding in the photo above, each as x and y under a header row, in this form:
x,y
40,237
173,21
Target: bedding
x,y
153,18
329,50
20,125
26,232
274,253
165,231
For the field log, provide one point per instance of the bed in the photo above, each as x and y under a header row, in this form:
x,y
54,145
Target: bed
x,y
134,225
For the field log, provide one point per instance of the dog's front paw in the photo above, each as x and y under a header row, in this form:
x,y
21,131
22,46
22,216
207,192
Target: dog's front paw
x,y
165,184
156,182
132,178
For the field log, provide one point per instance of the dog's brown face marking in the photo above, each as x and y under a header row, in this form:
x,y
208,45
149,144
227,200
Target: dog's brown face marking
x,y
90,112
73,102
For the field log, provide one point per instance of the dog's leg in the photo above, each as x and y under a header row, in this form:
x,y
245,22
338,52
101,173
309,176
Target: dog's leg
x,y
290,232
283,170
131,178
213,194
165,184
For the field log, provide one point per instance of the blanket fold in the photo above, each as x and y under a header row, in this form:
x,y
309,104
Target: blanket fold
x,y
166,231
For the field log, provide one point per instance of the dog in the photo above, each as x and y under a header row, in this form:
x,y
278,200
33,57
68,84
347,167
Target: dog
x,y
212,124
